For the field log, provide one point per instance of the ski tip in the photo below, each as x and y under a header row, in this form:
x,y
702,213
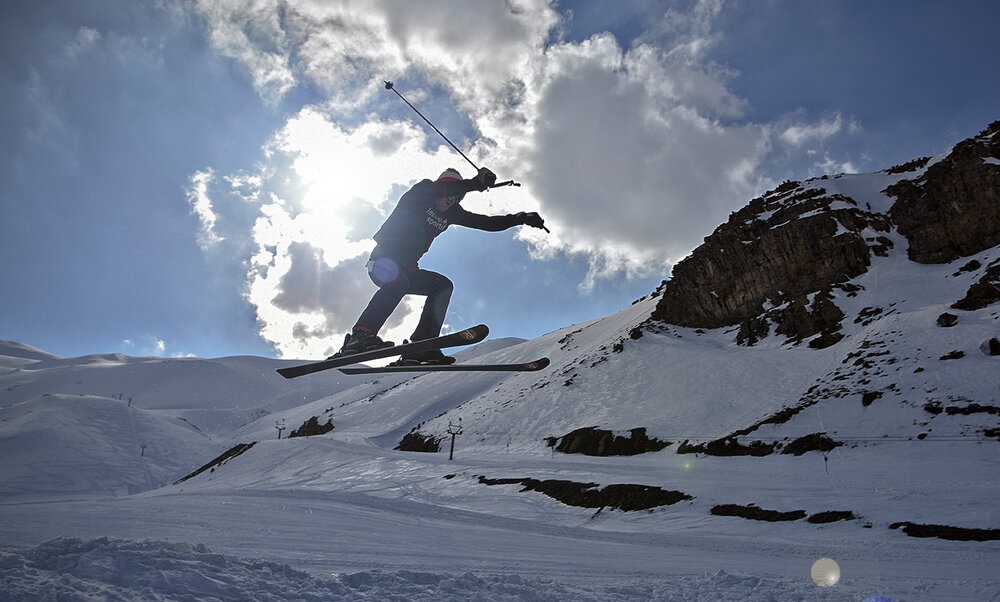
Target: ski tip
x,y
476,333
538,364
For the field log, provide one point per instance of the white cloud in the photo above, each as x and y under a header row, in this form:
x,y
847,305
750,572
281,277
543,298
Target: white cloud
x,y
627,163
252,33
245,185
201,206
802,133
150,345
632,153
307,277
813,141
87,38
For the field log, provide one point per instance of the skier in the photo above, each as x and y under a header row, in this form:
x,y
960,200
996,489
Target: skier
x,y
422,213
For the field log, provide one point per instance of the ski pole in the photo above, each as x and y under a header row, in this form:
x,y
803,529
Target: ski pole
x,y
389,86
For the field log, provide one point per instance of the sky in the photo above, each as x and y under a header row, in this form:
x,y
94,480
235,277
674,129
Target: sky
x,y
203,177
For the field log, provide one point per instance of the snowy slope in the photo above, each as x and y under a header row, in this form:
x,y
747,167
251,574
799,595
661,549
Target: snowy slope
x,y
158,383
84,445
92,448
12,351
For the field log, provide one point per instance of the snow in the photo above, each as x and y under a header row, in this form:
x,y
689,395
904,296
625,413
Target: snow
x,y
108,569
93,447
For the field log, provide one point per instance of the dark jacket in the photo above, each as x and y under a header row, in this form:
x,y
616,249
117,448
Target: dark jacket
x,y
415,222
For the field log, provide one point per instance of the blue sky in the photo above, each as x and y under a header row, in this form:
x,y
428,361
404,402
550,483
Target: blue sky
x,y
201,177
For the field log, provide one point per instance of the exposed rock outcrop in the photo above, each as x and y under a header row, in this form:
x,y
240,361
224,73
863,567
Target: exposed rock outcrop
x,y
415,441
953,209
984,292
947,532
777,263
622,496
312,427
226,456
592,441
775,260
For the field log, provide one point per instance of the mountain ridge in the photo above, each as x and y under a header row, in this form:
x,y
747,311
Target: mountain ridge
x,y
775,262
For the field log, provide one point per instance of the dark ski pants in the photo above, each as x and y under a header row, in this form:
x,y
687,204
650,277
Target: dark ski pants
x,y
394,283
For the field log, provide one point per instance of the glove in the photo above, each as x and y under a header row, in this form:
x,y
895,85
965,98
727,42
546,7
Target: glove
x,y
531,219
486,178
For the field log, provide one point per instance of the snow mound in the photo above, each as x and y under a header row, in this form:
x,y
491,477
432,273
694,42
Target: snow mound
x,y
151,571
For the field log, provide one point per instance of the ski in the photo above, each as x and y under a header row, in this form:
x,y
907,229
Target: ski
x,y
455,339
534,366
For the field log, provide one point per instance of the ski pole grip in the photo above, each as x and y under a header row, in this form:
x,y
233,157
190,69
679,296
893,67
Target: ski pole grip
x,y
505,183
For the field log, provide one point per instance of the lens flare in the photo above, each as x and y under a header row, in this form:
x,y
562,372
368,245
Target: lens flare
x,y
825,572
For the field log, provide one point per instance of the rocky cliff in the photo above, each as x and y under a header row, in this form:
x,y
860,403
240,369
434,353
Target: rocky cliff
x,y
776,262
953,209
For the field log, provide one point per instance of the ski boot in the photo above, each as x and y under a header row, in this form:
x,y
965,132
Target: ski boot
x,y
431,357
359,341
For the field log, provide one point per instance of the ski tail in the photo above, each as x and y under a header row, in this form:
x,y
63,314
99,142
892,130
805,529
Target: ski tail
x,y
468,336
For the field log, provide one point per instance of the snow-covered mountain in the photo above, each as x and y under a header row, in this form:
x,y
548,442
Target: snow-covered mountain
x,y
816,380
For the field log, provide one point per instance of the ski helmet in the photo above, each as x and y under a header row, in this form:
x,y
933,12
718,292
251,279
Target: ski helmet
x,y
449,175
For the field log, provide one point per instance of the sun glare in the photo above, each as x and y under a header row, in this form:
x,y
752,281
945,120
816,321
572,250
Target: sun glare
x,y
342,185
